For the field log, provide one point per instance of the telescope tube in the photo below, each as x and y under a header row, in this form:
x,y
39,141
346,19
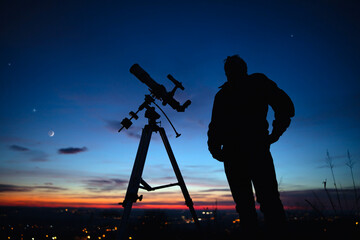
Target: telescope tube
x,y
158,90
143,76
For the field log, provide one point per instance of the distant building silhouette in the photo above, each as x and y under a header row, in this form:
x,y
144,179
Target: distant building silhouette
x,y
238,136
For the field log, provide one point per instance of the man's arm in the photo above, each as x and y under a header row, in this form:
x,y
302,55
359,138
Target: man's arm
x,y
283,108
214,138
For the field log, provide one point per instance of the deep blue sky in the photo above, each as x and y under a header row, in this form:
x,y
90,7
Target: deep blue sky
x,y
64,66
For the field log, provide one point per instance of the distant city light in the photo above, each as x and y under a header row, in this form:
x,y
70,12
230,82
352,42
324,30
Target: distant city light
x,y
101,232
207,213
236,220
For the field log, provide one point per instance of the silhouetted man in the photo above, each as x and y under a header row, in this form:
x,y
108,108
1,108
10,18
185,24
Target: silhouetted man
x,y
238,136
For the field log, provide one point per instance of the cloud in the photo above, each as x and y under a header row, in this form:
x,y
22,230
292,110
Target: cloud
x,y
34,155
72,150
44,173
19,148
13,188
50,188
216,190
102,184
17,188
113,125
133,134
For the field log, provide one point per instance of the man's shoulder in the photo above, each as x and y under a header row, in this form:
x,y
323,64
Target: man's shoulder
x,y
258,76
261,78
222,89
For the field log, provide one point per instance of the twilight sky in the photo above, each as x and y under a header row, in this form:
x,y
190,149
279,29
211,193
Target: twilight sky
x,y
64,67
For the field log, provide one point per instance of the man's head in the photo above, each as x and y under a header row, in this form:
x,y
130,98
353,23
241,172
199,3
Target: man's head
x,y
235,68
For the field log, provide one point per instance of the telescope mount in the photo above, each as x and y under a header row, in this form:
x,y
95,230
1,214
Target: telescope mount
x,y
136,180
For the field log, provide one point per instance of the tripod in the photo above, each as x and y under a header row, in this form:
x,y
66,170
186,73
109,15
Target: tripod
x,y
136,180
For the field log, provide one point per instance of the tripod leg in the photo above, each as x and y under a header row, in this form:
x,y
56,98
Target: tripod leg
x,y
134,183
179,177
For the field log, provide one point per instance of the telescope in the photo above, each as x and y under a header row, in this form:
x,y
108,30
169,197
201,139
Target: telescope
x,y
158,90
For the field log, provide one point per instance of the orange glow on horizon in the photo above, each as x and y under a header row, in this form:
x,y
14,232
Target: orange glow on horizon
x,y
75,201
68,204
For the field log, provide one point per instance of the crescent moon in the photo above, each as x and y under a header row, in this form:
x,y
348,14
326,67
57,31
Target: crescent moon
x,y
51,133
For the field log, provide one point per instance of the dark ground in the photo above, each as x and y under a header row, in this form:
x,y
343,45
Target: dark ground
x,y
75,224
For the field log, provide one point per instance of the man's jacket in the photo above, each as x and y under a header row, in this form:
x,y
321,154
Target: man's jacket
x,y
240,110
